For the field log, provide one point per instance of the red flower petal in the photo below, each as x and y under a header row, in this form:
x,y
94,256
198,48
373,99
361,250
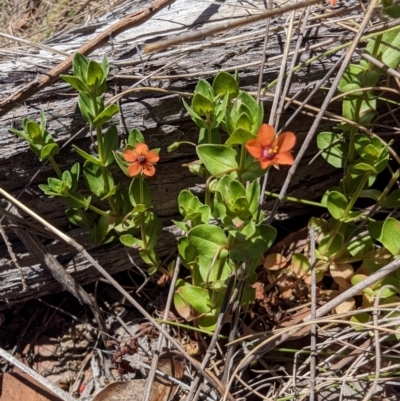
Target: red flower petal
x,y
266,135
284,158
134,169
149,169
265,163
286,141
141,149
130,155
152,157
254,148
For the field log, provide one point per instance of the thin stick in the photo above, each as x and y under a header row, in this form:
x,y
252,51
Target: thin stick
x,y
48,78
323,108
313,342
205,373
202,33
263,53
154,362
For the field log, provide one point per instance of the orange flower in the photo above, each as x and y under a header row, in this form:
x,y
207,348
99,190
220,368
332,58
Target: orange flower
x,y
142,160
270,151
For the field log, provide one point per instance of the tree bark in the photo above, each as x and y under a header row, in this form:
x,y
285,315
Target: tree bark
x,y
155,108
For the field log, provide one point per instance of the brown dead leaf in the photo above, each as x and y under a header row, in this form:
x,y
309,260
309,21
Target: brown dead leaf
x,y
170,363
275,261
21,387
346,306
259,287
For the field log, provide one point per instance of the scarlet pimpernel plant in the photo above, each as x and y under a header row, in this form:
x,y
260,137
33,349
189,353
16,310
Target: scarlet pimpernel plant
x,y
224,232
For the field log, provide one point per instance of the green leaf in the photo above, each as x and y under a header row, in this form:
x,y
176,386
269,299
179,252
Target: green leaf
x,y
110,144
94,179
105,66
135,137
34,132
186,251
130,241
207,239
122,164
334,148
79,218
47,190
388,233
349,80
217,159
233,195
111,192
364,167
182,307
255,246
86,107
75,82
42,121
98,234
392,200
370,194
78,201
239,137
204,88
86,156
357,321
95,74
252,170
300,265
202,105
80,66
392,11
137,186
21,134
253,196
388,51
197,297
67,178
75,169
55,184
105,115
360,246
195,117
215,137
328,247
185,198
337,204
224,83
48,151
214,271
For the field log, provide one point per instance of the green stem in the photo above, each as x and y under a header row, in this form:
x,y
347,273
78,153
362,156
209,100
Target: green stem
x,y
348,209
298,200
142,222
100,151
91,207
220,268
242,161
55,166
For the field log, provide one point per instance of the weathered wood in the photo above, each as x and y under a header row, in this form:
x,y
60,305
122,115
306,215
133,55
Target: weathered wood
x,y
159,114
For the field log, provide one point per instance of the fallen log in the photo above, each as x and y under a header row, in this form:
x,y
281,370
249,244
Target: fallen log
x,y
154,107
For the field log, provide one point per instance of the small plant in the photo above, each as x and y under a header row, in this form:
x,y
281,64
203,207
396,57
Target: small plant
x,y
352,242
224,233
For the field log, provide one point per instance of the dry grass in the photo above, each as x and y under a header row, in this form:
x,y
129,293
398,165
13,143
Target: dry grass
x,y
38,20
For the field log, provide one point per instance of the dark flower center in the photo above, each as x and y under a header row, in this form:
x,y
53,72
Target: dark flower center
x,y
269,153
141,159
